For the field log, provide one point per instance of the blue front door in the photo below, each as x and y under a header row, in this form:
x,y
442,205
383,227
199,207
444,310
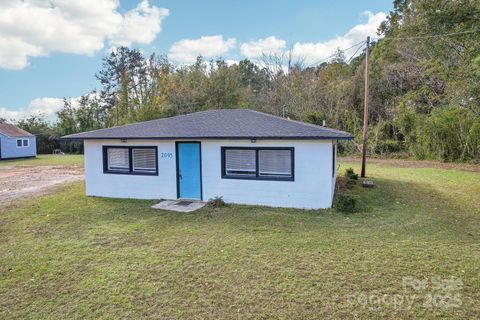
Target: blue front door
x,y
188,170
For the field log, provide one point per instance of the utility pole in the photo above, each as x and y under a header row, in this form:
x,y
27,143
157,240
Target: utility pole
x,y
365,112
115,105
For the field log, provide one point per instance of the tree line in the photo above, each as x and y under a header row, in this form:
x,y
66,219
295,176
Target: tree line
x,y
424,87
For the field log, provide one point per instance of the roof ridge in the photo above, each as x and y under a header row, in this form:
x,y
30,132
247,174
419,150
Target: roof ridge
x,y
216,123
11,127
296,121
226,109
152,120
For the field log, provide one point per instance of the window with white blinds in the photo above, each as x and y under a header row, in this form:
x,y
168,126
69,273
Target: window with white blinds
x,y
144,160
240,162
118,159
130,160
273,163
258,163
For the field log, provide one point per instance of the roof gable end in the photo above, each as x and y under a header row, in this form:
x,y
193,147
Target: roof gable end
x,y
12,131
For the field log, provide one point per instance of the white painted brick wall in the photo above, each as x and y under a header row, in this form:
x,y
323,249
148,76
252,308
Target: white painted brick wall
x,y
311,189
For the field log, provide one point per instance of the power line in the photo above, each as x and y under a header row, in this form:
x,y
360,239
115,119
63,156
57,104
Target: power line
x,y
333,55
397,38
353,55
430,35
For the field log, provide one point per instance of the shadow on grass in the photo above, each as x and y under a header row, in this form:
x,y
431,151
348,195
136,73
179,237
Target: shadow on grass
x,y
391,207
414,205
77,255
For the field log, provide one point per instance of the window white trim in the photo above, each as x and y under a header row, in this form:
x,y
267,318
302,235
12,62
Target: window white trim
x,y
22,143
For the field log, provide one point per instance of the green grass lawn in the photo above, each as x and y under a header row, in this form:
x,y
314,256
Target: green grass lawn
x,y
68,256
46,160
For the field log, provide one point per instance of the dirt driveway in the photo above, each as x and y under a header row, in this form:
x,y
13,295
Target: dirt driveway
x,y
18,182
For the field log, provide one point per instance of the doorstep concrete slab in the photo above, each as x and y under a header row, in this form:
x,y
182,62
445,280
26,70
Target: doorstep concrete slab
x,y
179,205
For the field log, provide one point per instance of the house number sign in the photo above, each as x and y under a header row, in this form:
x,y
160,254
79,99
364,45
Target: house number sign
x,y
167,155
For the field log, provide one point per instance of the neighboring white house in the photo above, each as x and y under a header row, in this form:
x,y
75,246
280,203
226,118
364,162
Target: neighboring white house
x,y
16,142
245,156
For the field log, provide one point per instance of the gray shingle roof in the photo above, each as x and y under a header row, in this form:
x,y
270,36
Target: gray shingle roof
x,y
217,124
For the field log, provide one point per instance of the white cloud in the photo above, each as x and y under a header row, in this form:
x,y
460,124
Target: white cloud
x,y
10,114
140,25
267,46
313,52
45,107
33,28
231,62
187,50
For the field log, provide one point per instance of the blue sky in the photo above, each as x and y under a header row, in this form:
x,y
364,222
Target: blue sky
x,y
36,71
